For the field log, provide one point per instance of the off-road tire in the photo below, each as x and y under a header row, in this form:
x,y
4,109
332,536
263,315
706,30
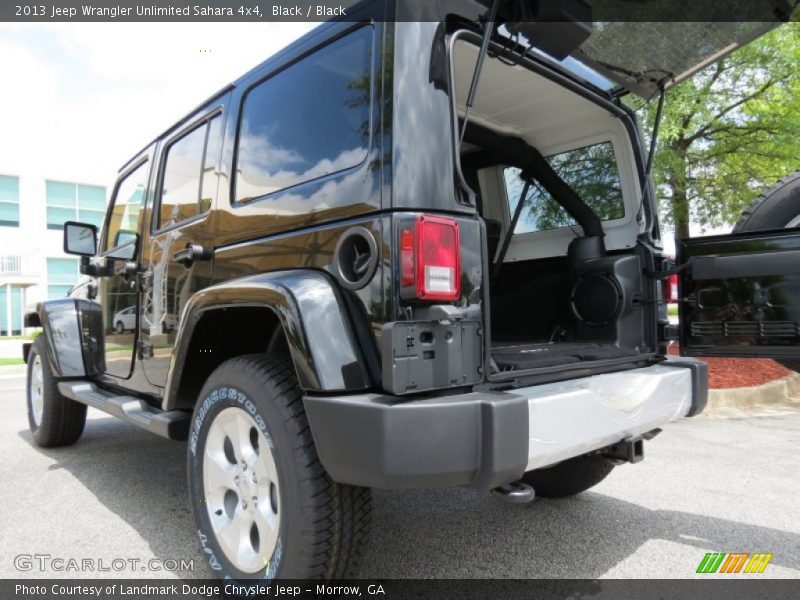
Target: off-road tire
x,y
568,478
778,206
323,525
62,420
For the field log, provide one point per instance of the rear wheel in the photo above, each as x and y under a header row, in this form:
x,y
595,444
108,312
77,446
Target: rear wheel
x,y
53,419
568,478
776,208
264,506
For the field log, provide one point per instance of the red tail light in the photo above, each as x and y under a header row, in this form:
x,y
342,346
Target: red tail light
x,y
670,288
429,258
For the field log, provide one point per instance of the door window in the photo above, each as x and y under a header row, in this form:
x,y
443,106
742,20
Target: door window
x,y
188,182
123,224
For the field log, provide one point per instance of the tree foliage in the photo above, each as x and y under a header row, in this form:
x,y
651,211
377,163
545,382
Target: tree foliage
x,y
728,132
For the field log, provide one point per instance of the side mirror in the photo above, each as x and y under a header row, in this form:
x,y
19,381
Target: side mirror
x,y
80,238
125,245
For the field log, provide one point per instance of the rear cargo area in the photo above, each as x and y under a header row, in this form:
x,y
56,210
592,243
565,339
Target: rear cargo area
x,y
536,324
555,183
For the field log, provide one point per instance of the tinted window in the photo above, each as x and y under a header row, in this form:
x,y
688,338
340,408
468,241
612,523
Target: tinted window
x,y
591,171
186,190
208,188
310,120
128,205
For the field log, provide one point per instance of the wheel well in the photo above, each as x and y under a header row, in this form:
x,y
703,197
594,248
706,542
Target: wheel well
x,y
222,334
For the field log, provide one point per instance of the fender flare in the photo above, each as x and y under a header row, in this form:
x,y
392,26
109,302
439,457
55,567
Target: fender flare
x,y
73,333
307,304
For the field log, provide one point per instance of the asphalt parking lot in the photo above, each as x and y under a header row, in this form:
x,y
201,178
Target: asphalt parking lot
x,y
706,485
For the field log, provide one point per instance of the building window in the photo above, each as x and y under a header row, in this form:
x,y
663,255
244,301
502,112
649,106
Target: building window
x,y
9,201
62,274
74,202
280,142
10,307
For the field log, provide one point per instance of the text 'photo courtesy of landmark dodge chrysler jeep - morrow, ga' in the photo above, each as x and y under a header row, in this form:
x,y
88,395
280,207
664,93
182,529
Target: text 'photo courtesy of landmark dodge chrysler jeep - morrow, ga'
x,y
399,254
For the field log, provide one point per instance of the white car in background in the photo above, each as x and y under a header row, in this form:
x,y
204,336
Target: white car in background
x,y
125,320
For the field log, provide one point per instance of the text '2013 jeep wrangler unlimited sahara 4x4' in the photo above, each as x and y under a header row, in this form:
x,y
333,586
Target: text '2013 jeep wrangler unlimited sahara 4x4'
x,y
402,253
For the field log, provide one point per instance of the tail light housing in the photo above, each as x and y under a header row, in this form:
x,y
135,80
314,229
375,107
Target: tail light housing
x,y
430,263
670,288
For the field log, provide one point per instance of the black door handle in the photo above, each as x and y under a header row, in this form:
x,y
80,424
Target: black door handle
x,y
192,253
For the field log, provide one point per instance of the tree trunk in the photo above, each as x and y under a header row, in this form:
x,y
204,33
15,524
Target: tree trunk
x,y
679,201
681,224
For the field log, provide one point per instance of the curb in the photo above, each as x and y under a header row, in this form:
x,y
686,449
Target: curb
x,y
773,397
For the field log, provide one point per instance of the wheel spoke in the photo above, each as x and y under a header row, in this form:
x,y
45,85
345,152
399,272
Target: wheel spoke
x,y
219,472
265,470
247,452
231,533
267,524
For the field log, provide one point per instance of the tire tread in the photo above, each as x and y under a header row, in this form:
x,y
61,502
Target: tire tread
x,y
337,516
63,420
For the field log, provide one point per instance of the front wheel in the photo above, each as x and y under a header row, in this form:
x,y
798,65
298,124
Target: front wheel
x,y
264,506
568,478
120,327
53,419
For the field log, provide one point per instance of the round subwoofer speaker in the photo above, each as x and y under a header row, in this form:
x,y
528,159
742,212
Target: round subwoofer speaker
x,y
356,257
596,299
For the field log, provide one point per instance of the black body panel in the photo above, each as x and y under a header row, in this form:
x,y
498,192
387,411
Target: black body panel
x,y
740,295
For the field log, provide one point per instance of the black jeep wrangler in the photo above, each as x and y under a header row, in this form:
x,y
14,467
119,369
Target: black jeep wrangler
x,y
403,252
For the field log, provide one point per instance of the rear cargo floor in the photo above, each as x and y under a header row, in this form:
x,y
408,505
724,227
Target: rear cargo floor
x,y
516,356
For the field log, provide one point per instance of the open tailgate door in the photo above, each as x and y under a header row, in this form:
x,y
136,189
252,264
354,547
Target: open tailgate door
x,y
740,295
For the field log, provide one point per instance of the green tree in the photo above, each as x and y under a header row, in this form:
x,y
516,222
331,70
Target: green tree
x,y
728,132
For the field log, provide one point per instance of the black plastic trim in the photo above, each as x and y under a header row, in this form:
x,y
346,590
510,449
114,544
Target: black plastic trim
x,y
374,440
699,371
309,307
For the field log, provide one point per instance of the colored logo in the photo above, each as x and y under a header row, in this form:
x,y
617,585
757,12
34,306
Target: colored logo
x,y
734,562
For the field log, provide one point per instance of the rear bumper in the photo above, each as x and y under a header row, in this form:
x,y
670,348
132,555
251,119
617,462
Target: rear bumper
x,y
486,439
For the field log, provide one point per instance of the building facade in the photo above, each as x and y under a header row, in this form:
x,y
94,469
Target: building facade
x,y
33,265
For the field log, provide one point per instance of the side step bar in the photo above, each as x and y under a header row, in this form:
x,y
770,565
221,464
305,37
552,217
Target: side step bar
x,y
173,424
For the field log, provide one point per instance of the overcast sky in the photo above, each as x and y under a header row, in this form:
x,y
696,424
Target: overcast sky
x,y
79,99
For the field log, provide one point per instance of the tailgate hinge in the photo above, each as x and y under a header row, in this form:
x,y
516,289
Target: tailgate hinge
x,y
674,270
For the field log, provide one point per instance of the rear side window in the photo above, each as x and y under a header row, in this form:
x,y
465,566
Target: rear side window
x,y
128,204
307,121
188,183
591,171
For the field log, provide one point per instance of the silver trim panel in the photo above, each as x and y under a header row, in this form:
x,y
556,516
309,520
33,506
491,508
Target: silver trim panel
x,y
570,418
